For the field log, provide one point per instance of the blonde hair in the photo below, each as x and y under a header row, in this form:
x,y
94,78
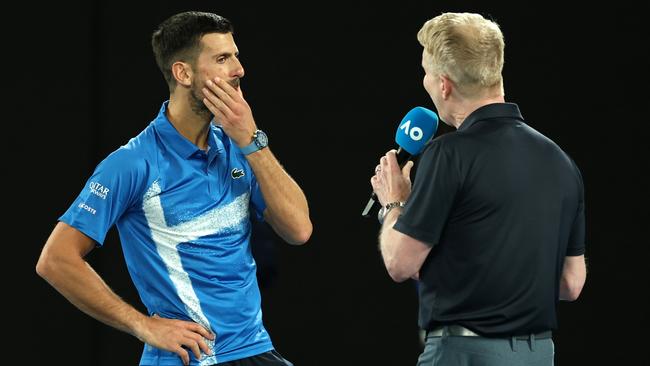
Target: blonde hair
x,y
466,48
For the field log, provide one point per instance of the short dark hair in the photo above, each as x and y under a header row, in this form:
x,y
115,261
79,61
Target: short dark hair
x,y
179,38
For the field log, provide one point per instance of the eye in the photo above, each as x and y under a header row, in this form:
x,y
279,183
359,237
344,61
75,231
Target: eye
x,y
221,59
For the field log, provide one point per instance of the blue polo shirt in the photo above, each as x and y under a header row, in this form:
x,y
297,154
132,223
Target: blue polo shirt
x,y
183,219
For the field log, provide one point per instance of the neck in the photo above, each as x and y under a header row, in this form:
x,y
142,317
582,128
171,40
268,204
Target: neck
x,y
188,122
465,107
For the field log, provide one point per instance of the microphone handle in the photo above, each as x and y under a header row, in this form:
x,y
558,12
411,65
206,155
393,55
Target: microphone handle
x,y
370,205
402,157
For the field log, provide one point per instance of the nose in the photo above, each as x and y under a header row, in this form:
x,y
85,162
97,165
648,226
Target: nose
x,y
238,69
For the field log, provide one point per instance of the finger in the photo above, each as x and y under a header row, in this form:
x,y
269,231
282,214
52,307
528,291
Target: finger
x,y
182,353
204,346
213,108
406,170
192,344
199,334
199,343
232,93
391,160
217,89
197,328
374,182
383,162
385,168
217,103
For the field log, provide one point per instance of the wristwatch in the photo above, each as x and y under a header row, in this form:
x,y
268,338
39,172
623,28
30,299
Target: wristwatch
x,y
385,209
260,141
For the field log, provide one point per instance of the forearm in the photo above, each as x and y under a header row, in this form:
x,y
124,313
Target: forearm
x,y
285,201
82,286
388,244
402,254
574,274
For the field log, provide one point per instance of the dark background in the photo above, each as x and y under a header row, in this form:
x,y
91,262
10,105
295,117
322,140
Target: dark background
x,y
328,83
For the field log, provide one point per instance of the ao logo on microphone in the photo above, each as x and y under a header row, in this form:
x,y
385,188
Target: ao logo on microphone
x,y
415,133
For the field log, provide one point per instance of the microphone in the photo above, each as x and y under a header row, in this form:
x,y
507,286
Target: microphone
x,y
414,131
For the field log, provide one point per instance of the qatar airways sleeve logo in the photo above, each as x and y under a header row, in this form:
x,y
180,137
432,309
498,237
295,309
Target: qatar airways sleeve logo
x,y
99,190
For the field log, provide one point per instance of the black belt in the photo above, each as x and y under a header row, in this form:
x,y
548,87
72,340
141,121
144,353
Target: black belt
x,y
460,331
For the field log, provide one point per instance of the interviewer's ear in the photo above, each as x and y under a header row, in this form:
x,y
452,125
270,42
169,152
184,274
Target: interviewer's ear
x,y
445,86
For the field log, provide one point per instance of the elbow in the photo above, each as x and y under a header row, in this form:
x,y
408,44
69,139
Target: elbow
x,y
573,293
397,273
570,295
302,233
397,277
41,269
50,265
571,289
44,266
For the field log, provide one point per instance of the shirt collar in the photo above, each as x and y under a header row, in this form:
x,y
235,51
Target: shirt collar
x,y
491,111
173,139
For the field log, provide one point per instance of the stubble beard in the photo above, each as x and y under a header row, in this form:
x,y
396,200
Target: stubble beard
x,y
197,105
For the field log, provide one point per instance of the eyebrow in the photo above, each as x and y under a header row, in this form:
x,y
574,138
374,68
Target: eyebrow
x,y
226,54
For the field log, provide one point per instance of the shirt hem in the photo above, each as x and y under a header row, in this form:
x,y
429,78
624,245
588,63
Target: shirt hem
x,y
231,356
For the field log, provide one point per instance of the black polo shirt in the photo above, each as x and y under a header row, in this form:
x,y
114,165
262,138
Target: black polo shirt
x,y
501,205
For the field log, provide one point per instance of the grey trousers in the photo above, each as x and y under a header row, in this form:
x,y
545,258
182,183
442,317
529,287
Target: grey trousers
x,y
479,351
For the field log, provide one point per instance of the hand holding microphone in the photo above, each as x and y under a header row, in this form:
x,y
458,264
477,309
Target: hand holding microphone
x,y
414,131
391,183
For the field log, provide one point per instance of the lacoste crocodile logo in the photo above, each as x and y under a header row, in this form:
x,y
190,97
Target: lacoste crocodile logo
x,y
236,173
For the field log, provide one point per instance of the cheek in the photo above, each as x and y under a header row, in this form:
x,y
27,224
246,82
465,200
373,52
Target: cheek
x,y
200,83
209,73
217,72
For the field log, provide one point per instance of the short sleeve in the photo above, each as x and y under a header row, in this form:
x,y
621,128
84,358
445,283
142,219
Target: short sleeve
x,y
576,244
108,193
434,189
257,200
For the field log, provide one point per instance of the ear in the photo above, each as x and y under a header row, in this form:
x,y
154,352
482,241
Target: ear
x,y
446,85
182,72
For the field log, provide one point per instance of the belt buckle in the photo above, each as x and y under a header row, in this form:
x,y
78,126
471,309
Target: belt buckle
x,y
451,330
460,331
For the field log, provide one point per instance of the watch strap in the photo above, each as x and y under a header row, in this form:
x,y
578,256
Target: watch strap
x,y
253,146
250,148
386,209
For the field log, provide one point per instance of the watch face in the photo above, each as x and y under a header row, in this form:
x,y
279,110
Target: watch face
x,y
261,139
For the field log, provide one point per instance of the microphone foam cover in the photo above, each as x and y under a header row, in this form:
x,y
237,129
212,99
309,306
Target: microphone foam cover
x,y
416,129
